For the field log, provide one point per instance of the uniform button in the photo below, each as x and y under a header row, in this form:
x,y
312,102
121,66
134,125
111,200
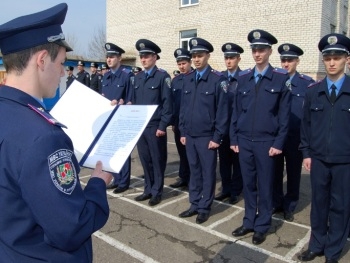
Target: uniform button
x,y
272,90
316,109
298,94
243,92
206,92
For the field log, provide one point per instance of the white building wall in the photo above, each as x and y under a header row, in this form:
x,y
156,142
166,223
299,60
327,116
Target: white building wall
x,y
301,22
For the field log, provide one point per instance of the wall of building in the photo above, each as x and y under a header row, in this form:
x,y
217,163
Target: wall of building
x,y
300,22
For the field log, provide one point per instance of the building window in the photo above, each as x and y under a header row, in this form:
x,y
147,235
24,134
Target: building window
x,y
189,2
333,28
185,37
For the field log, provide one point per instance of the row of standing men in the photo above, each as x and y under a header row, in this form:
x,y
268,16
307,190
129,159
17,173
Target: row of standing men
x,y
252,118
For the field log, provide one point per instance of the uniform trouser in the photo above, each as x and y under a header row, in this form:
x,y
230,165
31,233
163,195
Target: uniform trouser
x,y
257,172
153,156
294,159
184,169
230,170
330,207
202,163
122,179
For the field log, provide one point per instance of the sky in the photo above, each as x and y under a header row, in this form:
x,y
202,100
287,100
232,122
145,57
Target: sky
x,y
82,20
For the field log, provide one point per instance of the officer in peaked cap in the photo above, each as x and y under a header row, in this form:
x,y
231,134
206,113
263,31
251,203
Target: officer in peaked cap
x,y
291,156
145,46
258,130
104,68
183,61
70,76
82,75
230,172
95,78
260,39
117,84
152,86
325,148
136,70
43,153
204,90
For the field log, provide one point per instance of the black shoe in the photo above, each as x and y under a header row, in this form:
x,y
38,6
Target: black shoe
x,y
308,255
202,217
222,197
277,210
111,186
258,238
288,216
241,231
188,213
155,200
234,200
120,190
143,197
331,260
178,184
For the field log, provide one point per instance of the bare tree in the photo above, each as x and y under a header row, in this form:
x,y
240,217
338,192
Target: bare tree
x,y
97,45
73,43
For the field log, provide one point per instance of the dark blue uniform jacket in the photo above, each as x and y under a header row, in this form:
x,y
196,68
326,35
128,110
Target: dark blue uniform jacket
x,y
204,107
46,216
261,115
325,127
155,90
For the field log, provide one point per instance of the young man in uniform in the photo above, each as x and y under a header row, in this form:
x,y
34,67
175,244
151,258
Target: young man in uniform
x,y
51,217
183,60
70,77
95,78
325,145
152,87
259,127
203,124
291,155
117,85
82,75
230,171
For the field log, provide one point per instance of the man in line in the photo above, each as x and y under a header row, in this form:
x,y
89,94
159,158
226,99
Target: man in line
x,y
51,217
203,124
95,78
82,75
70,76
152,87
325,145
117,85
291,155
183,60
258,130
230,171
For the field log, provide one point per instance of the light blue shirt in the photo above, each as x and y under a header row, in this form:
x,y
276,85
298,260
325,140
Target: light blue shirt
x,y
337,84
200,73
256,73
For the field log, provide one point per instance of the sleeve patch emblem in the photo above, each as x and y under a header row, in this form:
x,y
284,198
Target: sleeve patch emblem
x,y
62,170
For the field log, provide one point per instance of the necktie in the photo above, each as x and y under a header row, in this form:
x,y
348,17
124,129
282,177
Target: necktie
x,y
333,95
146,75
198,77
258,82
230,78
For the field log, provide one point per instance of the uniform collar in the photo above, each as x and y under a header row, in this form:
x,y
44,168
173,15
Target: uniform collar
x,y
18,96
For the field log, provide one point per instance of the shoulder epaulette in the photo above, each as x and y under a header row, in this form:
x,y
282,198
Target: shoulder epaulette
x,y
244,72
306,77
46,116
161,70
313,84
126,70
219,73
280,71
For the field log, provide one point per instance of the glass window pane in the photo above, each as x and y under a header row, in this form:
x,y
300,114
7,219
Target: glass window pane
x,y
189,33
184,2
194,2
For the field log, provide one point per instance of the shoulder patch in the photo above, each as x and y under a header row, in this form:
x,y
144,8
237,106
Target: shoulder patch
x,y
46,116
168,82
306,77
244,72
313,84
219,73
224,85
62,170
280,71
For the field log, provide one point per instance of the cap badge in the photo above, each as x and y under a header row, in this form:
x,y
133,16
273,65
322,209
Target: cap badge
x,y
194,42
178,52
256,35
142,45
286,47
228,47
108,46
55,38
332,40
